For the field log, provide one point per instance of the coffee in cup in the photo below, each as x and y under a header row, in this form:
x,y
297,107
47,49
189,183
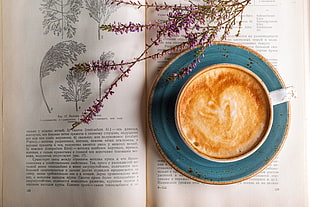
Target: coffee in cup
x,y
224,112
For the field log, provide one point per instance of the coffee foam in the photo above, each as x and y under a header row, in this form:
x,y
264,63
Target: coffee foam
x,y
223,112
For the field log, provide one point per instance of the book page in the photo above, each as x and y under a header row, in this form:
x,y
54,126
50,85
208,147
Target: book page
x,y
1,86
279,37
44,162
307,80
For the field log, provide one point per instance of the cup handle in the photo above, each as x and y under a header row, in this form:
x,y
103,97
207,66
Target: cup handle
x,y
282,95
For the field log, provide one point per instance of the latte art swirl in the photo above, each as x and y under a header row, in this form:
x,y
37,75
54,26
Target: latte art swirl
x,y
223,112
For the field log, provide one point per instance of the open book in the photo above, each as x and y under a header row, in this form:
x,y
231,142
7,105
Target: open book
x,y
114,161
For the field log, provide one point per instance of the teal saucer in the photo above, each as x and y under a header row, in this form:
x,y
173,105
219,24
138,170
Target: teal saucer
x,y
163,127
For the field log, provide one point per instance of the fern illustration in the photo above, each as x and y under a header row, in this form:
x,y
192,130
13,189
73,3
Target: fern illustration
x,y
57,56
100,11
60,16
78,88
103,74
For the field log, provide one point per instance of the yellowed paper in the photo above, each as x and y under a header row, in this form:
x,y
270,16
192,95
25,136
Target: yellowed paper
x,y
275,29
1,87
46,163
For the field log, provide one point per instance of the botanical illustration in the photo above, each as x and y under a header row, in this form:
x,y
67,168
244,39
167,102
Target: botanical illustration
x,y
59,55
100,11
60,16
78,88
103,74
199,24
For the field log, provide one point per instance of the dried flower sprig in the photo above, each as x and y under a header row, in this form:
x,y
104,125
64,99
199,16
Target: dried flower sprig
x,y
198,24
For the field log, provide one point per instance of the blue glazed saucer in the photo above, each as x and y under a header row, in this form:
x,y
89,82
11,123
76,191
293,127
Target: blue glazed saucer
x,y
164,130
